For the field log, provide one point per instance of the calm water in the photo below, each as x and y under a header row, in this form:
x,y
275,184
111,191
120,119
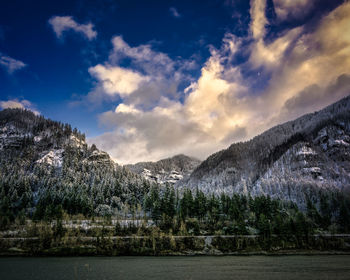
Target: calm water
x,y
255,267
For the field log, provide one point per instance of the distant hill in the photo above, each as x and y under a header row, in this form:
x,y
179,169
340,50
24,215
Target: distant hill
x,y
169,170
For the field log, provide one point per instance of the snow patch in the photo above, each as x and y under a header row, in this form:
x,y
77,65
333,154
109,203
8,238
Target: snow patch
x,y
162,178
76,142
53,157
306,151
37,139
98,157
174,175
340,143
312,170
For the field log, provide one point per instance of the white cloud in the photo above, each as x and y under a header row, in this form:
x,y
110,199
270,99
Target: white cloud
x,y
259,21
10,64
21,104
150,75
174,12
61,24
300,71
142,57
286,9
117,80
148,135
270,55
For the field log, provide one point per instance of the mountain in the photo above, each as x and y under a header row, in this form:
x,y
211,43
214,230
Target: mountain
x,y
44,162
169,170
292,161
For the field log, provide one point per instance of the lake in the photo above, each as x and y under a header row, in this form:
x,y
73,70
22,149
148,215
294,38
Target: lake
x,y
206,267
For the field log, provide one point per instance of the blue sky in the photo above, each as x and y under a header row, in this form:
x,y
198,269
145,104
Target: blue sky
x,y
57,69
157,78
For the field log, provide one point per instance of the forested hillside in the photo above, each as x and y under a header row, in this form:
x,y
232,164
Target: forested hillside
x,y
292,161
46,167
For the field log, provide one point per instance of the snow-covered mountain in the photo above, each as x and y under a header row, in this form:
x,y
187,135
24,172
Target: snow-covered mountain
x,y
169,170
304,156
44,160
47,140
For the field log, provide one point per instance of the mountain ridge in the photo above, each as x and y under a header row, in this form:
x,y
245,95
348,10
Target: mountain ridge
x,y
242,166
292,161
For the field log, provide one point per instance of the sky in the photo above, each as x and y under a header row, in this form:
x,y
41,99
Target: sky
x,y
146,80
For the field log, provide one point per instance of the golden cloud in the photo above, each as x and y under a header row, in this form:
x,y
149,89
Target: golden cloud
x,y
220,107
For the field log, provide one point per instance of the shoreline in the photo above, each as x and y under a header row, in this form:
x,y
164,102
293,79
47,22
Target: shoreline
x,y
241,254
166,245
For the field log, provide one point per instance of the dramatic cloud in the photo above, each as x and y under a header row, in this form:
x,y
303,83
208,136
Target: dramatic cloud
x,y
174,12
65,23
299,71
314,59
22,104
170,126
10,64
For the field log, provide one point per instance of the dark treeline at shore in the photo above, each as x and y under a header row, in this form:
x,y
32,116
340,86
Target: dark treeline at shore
x,y
199,214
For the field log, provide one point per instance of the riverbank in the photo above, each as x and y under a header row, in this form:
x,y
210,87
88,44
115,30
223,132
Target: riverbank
x,y
166,245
